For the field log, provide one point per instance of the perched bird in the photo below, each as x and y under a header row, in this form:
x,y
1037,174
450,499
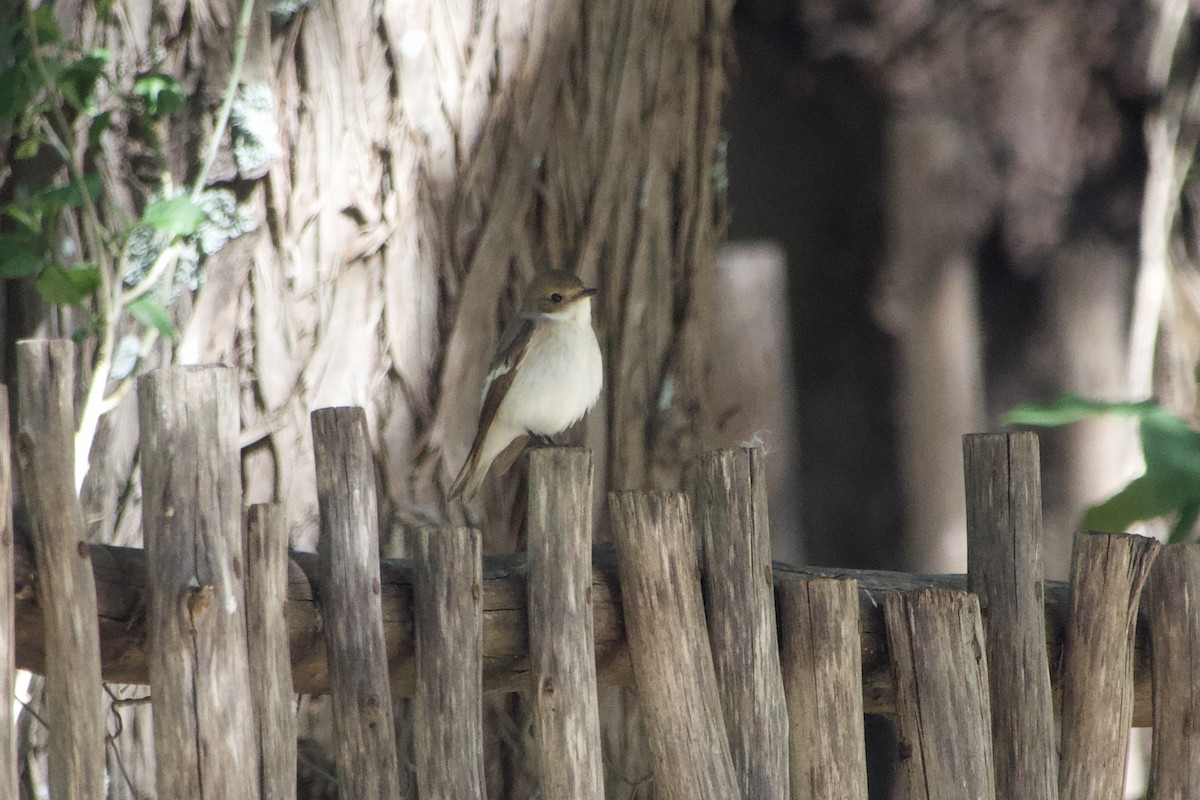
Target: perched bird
x,y
546,375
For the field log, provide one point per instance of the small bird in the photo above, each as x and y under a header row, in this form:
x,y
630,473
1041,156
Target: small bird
x,y
546,375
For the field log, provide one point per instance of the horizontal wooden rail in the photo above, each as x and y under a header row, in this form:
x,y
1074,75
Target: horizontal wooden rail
x,y
121,599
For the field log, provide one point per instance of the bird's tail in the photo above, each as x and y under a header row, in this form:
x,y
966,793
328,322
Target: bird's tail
x,y
470,477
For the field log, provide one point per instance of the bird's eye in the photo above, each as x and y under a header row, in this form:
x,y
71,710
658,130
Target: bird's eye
x,y
556,298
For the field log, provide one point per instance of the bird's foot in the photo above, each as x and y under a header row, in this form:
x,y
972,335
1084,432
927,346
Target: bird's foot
x,y
540,440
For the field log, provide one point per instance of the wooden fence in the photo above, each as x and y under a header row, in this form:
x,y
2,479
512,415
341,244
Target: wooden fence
x,y
753,679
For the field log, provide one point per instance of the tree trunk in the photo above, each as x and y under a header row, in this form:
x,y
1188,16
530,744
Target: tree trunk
x,y
429,158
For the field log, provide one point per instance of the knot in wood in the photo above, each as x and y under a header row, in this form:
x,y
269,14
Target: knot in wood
x,y
199,599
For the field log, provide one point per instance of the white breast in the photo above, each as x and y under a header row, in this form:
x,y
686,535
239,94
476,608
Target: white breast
x,y
560,376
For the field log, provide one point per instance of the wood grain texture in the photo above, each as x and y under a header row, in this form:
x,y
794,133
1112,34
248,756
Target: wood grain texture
x,y
199,667
66,589
448,628
821,659
943,712
266,548
729,502
364,739
121,592
8,649
1107,574
669,647
1004,569
1173,605
562,656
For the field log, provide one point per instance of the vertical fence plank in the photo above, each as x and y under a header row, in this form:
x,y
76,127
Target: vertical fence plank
x,y
1174,599
270,663
1004,568
8,650
192,518
821,658
363,727
730,508
66,588
668,646
448,627
1107,575
561,651
936,642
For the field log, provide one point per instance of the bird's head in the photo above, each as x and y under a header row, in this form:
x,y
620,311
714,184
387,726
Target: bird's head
x,y
556,292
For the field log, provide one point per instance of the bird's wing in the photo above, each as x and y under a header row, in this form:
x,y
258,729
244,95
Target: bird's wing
x,y
513,345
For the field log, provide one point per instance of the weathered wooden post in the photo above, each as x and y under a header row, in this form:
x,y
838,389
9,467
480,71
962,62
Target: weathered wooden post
x,y
204,737
729,502
821,657
1107,575
1004,568
820,652
668,645
66,587
448,628
1174,600
266,550
363,727
8,648
562,656
936,641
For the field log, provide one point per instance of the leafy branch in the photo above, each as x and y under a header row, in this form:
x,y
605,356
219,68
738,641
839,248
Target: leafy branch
x,y
49,96
1170,486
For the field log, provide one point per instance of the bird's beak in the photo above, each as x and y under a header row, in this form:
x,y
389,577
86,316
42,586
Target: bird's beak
x,y
588,292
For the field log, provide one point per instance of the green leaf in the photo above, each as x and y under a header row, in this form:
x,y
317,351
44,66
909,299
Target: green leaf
x,y
152,314
161,94
20,254
78,80
68,286
1068,408
53,199
27,149
100,124
178,216
1136,502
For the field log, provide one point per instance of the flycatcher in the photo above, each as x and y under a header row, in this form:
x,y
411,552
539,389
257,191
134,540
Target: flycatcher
x,y
546,375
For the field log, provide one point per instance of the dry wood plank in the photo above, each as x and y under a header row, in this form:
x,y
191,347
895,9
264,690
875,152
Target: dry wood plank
x,y
8,650
943,712
1173,600
363,727
668,645
1107,574
448,703
66,588
266,551
121,592
1004,569
204,736
821,659
562,657
729,502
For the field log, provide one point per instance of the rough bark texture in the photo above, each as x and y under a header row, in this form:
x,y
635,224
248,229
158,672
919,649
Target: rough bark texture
x,y
729,502
1107,575
430,157
270,663
205,741
562,654
822,668
669,645
1004,557
363,729
942,707
1173,591
66,587
448,629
